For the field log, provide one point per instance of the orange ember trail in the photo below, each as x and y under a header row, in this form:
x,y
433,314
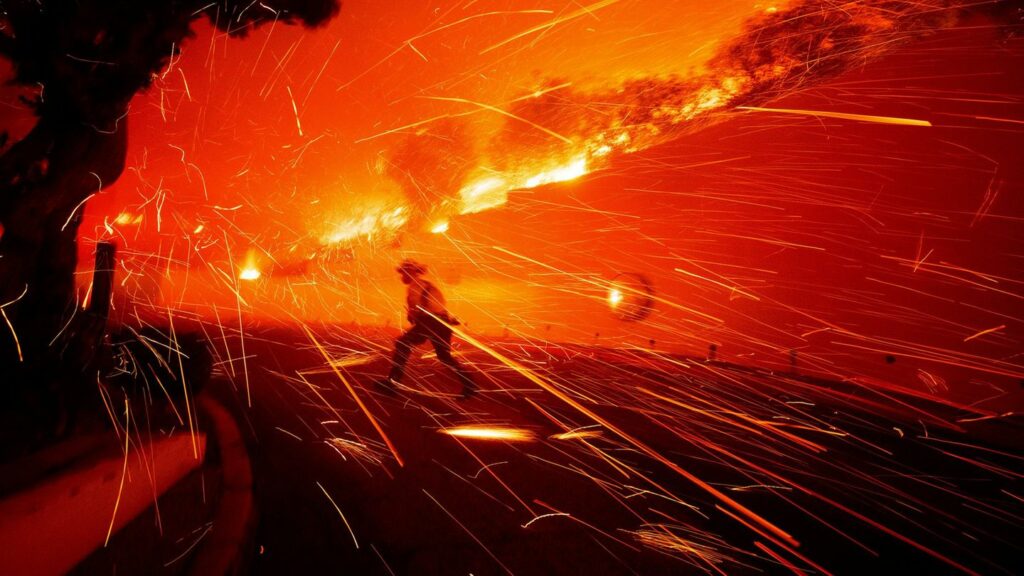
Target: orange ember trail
x,y
841,116
351,390
552,389
490,433
559,286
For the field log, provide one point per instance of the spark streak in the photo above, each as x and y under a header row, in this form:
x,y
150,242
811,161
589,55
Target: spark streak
x,y
503,112
841,116
586,10
351,390
124,471
983,332
551,388
343,519
14,333
490,433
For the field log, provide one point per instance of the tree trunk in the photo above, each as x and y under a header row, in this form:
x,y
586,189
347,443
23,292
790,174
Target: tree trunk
x,y
46,179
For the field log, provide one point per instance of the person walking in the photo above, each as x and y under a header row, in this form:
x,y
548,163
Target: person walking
x,y
426,311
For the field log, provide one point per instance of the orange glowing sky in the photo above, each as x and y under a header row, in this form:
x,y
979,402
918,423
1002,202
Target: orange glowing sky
x,y
766,233
225,108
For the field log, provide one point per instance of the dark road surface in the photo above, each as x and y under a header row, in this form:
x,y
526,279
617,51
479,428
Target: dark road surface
x,y
695,467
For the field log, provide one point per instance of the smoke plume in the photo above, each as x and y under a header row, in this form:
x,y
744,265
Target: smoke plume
x,y
560,132
778,52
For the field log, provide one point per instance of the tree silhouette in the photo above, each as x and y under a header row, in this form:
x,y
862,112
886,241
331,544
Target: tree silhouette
x,y
86,59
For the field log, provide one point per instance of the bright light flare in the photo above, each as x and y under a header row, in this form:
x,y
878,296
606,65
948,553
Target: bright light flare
x,y
492,191
373,221
250,269
483,195
128,219
570,171
614,297
250,274
491,433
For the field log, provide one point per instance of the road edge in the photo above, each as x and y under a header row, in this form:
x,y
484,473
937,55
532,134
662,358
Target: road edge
x,y
225,551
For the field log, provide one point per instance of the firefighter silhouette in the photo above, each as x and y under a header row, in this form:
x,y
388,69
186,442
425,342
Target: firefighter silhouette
x,y
426,311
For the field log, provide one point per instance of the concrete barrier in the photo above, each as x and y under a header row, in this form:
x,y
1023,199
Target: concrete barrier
x,y
52,526
228,547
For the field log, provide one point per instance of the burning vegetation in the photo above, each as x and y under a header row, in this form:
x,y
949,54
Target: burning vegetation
x,y
718,281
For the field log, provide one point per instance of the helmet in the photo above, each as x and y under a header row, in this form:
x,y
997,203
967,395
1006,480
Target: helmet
x,y
411,267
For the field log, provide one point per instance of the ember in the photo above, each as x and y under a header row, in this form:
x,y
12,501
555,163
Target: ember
x,y
624,286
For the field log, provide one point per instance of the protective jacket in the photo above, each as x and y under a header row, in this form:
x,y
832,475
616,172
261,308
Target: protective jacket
x,y
422,297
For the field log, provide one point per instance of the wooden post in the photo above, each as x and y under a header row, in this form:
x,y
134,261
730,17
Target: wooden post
x,y
103,280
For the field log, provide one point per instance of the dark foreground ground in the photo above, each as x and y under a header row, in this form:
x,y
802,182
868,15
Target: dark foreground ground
x,y
690,467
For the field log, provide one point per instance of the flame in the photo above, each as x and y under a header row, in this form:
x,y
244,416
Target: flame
x,y
250,270
490,433
492,191
643,112
374,220
652,110
488,192
483,195
571,171
249,273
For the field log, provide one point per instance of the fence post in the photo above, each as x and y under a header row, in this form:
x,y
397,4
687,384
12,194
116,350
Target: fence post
x,y
103,280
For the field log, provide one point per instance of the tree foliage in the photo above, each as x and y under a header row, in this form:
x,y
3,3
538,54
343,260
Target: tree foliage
x,y
84,61
90,57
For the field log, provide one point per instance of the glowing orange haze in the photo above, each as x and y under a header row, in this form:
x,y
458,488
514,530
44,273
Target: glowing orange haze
x,y
273,161
278,145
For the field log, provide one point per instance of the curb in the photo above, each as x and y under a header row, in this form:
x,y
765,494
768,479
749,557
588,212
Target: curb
x,y
225,551
52,525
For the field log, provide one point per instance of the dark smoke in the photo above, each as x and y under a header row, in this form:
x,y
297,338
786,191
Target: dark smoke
x,y
776,54
431,165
